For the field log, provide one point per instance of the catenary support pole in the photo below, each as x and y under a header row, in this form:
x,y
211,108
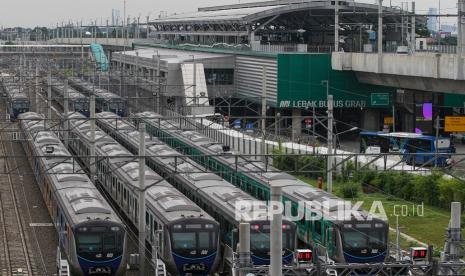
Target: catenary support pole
x,y
36,88
380,35
49,96
93,159
336,26
330,145
66,114
263,115
244,247
142,232
413,36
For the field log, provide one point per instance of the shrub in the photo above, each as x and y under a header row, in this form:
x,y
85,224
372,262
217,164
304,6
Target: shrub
x,y
350,189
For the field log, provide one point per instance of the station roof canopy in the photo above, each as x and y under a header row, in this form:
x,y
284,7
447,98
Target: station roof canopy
x,y
315,10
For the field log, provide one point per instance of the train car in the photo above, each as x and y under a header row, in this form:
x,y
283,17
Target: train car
x,y
214,194
91,236
347,239
104,100
17,100
77,102
185,236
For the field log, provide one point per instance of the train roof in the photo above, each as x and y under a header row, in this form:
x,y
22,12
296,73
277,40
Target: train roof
x,y
293,188
162,197
408,135
76,193
217,192
91,88
73,94
14,92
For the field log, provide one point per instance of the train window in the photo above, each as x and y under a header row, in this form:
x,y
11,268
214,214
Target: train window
x,y
184,240
204,240
259,241
89,243
109,242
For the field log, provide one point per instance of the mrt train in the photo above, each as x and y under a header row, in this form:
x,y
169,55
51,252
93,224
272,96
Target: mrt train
x,y
185,237
104,100
214,194
91,236
77,102
17,101
347,239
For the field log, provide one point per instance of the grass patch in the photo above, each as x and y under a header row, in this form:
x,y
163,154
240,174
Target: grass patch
x,y
428,227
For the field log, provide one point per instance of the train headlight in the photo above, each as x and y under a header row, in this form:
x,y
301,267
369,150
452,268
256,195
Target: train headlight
x,y
115,228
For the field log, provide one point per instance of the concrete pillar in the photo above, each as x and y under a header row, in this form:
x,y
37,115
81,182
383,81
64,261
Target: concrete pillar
x,y
296,123
460,40
276,235
370,120
244,247
380,36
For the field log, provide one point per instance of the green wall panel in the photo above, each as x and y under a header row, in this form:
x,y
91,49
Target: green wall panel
x,y
300,85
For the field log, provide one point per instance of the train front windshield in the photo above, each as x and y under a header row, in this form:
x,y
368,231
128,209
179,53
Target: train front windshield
x,y
81,105
261,241
21,105
99,243
362,242
116,106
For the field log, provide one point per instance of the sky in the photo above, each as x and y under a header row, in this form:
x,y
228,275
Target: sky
x,y
30,13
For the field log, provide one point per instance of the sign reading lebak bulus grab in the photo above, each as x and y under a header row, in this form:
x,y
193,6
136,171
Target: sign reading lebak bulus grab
x,y
454,124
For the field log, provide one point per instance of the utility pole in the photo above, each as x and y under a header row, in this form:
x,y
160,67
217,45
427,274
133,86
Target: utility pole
x,y
136,81
194,88
413,34
93,159
66,113
380,35
393,116
263,121
330,145
37,88
436,142
159,82
461,28
49,96
336,26
276,235
142,231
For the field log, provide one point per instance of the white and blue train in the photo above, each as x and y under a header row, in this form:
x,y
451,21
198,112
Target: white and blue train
x,y
77,102
17,101
104,99
351,239
91,236
186,237
215,195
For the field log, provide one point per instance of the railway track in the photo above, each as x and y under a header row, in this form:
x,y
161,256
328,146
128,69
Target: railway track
x,y
15,256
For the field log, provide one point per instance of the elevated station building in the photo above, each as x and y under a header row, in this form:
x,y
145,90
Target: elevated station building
x,y
282,52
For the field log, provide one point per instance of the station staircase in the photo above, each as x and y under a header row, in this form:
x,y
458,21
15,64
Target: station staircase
x,y
99,57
